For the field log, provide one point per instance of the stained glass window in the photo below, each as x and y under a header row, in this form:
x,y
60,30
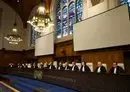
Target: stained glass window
x,y
67,13
58,17
71,16
65,21
79,9
64,2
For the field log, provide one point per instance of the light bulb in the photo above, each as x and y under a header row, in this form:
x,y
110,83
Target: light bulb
x,y
41,10
14,30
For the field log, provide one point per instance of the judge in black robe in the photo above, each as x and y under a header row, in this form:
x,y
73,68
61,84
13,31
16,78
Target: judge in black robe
x,y
51,66
74,67
67,67
116,69
84,67
60,66
100,68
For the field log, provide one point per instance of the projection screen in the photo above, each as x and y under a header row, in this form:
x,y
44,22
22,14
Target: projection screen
x,y
111,28
44,45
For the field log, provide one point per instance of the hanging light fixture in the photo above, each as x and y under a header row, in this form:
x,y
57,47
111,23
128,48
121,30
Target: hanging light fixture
x,y
41,21
14,37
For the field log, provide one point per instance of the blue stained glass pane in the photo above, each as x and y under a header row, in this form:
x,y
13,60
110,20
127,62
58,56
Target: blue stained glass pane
x,y
79,9
58,17
67,15
64,2
71,17
59,32
64,22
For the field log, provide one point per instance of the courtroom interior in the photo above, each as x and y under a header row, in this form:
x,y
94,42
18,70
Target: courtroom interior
x,y
64,45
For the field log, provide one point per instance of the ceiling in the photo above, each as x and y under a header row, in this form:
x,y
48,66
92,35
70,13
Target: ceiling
x,y
24,7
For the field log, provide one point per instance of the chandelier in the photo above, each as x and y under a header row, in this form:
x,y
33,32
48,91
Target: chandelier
x,y
14,38
41,21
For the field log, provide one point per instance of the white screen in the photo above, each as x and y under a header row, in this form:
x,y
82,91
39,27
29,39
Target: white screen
x,y
44,45
108,29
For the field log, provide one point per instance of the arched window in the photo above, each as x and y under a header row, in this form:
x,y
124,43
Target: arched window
x,y
79,9
67,13
58,18
71,16
65,21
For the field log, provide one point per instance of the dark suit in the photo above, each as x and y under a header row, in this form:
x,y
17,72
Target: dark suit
x,y
119,70
86,69
102,69
75,68
52,67
67,67
60,68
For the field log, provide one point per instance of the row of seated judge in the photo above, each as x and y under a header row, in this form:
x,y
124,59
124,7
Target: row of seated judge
x,y
84,68
66,66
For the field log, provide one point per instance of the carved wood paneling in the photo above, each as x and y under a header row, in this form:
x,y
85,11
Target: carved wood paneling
x,y
44,59
7,56
107,57
64,49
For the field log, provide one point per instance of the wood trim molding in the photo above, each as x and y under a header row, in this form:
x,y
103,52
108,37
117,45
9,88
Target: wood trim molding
x,y
67,38
9,87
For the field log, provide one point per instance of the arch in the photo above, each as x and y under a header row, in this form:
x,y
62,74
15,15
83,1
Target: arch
x,y
7,19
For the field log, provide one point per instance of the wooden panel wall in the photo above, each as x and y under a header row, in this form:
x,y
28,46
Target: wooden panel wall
x,y
64,49
107,57
29,55
44,59
7,57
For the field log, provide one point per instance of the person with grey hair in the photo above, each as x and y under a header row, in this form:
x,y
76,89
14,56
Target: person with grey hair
x,y
100,68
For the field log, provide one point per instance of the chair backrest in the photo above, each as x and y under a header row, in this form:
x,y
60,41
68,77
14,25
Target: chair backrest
x,y
105,65
121,65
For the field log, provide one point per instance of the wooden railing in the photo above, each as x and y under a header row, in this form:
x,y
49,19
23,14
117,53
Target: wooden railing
x,y
9,87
